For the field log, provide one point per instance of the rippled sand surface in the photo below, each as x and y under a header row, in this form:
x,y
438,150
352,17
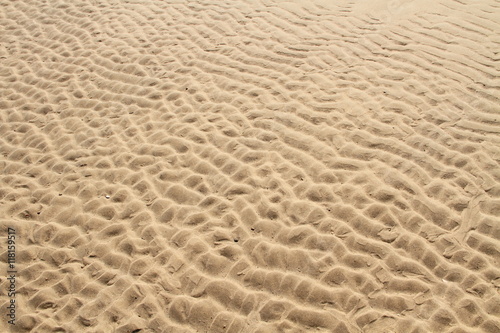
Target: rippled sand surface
x,y
251,166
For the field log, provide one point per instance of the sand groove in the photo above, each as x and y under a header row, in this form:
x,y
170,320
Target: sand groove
x,y
252,166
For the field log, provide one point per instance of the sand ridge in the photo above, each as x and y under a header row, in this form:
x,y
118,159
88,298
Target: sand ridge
x,y
251,166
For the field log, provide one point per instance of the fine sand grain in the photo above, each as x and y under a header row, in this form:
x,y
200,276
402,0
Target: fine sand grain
x,y
251,166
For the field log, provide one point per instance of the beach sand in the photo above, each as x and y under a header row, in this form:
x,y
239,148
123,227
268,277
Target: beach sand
x,y
250,166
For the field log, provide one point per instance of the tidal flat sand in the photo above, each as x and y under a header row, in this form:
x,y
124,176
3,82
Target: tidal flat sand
x,y
250,166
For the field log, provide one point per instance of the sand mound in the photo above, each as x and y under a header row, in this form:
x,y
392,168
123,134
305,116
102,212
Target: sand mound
x,y
251,166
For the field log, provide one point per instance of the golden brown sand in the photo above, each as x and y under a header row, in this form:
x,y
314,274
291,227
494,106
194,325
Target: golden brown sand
x,y
251,166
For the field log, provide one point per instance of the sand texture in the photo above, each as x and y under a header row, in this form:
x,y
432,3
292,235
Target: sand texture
x,y
251,166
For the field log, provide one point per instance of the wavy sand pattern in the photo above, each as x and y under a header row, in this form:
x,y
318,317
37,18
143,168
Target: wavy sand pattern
x,y
251,166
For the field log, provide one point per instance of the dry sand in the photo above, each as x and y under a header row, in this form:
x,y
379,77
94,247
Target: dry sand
x,y
251,166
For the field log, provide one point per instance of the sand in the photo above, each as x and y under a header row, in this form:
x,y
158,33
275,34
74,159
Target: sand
x,y
250,166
